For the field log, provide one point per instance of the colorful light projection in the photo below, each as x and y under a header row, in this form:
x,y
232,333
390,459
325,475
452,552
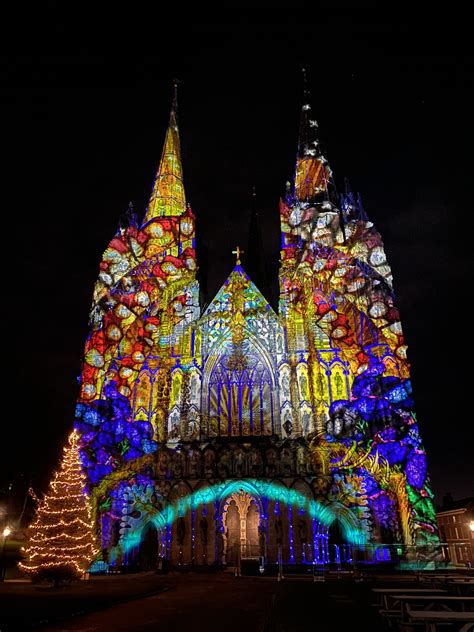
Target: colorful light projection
x,y
241,338
330,371
334,270
164,515
145,292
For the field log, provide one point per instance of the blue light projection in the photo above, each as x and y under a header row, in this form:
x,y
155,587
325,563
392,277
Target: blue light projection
x,y
109,434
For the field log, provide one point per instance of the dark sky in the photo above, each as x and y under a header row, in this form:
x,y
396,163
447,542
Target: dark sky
x,y
84,108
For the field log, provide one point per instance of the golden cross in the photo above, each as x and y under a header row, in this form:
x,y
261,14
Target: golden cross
x,y
238,252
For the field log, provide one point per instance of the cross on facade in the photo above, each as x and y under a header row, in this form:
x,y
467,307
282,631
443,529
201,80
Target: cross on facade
x,y
238,252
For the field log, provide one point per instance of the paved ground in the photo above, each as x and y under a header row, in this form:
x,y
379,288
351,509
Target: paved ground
x,y
209,602
193,602
247,604
24,605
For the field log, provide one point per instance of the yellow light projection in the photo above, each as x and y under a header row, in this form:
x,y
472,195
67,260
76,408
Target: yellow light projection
x,y
168,198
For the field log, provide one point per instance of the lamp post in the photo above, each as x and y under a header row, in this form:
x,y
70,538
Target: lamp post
x,y
6,532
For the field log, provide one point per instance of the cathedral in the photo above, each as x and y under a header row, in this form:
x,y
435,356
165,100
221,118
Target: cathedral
x,y
214,435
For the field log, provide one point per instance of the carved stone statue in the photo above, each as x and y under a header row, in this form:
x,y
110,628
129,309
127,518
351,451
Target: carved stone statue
x,y
223,467
270,467
255,462
301,460
209,463
194,464
178,465
239,463
162,463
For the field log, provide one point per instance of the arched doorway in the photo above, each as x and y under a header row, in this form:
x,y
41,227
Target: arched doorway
x,y
336,542
241,518
232,533
148,552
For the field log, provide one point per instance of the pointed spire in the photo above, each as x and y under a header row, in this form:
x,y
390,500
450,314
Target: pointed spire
x,y
351,204
308,144
128,217
313,174
168,197
347,202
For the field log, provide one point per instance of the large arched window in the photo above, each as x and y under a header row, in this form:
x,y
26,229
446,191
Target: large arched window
x,y
241,398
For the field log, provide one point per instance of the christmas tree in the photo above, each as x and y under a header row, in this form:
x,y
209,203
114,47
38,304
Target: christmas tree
x,y
61,540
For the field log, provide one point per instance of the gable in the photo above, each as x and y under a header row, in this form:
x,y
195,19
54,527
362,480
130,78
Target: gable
x,y
239,293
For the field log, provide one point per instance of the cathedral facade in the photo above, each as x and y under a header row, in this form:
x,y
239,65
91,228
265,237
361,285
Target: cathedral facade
x,y
209,436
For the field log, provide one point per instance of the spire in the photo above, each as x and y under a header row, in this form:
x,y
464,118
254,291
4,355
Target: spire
x,y
313,174
167,197
308,144
128,218
351,204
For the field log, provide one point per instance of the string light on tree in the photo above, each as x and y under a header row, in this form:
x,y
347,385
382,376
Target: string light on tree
x,y
61,540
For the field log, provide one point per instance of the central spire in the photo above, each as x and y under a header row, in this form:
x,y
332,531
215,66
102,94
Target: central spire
x,y
312,174
168,197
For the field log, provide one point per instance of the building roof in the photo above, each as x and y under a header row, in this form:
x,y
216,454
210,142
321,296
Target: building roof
x,y
449,504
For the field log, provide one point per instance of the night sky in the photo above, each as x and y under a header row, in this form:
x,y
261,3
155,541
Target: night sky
x,y
83,128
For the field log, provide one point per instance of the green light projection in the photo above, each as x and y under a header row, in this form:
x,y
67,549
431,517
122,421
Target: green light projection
x,y
324,514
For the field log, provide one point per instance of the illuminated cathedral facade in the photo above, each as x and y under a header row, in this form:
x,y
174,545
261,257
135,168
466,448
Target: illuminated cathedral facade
x,y
210,436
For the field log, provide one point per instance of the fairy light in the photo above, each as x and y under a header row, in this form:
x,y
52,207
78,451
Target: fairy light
x,y
61,536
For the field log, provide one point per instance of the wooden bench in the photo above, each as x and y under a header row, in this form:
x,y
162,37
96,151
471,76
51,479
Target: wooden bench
x,y
431,617
448,602
386,593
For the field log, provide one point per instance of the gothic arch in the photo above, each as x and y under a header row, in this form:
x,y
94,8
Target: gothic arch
x,y
275,492
244,486
215,353
348,521
240,400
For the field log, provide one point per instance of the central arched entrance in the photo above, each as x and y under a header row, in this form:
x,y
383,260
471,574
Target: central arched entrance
x,y
241,519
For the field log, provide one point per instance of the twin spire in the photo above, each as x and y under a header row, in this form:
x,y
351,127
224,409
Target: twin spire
x,y
168,197
312,175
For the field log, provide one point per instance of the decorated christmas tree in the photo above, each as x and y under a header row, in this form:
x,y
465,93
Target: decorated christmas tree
x,y
61,541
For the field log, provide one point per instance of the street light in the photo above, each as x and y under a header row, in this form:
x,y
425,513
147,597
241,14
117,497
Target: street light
x,y
6,532
471,525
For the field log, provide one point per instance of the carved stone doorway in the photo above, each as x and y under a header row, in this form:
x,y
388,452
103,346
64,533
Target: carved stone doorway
x,y
241,518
